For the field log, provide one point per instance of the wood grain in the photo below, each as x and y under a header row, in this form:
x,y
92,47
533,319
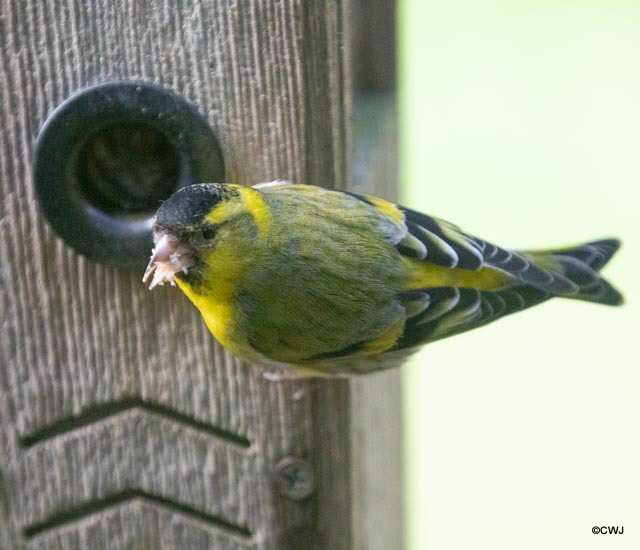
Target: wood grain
x,y
115,402
376,400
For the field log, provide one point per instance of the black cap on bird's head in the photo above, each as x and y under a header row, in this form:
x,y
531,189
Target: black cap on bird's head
x,y
188,206
181,230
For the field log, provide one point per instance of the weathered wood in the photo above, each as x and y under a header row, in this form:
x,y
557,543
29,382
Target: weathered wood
x,y
376,410
122,423
374,52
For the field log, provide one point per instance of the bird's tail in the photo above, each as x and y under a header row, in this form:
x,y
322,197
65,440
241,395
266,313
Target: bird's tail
x,y
581,265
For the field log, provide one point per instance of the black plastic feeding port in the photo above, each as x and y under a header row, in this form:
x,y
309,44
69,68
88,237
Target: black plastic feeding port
x,y
109,155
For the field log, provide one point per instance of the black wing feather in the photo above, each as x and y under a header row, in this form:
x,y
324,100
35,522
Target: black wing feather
x,y
448,246
473,309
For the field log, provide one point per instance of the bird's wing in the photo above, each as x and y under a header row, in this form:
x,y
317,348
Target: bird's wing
x,y
441,309
452,310
435,312
437,242
445,244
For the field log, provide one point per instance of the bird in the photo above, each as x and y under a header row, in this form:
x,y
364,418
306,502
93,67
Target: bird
x,y
318,282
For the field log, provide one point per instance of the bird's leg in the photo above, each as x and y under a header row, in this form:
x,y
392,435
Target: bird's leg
x,y
284,375
293,375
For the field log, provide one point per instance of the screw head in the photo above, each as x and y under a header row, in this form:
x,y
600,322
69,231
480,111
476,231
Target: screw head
x,y
294,478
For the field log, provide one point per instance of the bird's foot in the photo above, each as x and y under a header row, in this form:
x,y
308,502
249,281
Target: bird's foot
x,y
283,375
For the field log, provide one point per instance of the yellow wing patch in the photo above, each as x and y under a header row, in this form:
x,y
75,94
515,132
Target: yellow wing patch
x,y
387,208
425,275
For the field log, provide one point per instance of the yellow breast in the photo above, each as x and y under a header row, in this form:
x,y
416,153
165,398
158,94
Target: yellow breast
x,y
216,310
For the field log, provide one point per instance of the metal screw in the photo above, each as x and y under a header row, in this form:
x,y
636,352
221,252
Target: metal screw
x,y
294,478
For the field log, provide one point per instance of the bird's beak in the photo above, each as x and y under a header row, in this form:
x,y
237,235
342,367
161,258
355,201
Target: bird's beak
x,y
167,258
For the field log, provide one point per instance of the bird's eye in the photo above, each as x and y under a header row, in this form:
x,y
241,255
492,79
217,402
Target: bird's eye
x,y
208,233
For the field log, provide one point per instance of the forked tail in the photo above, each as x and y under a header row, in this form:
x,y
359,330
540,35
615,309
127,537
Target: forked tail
x,y
581,265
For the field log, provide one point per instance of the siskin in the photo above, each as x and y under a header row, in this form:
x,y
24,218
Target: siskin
x,y
334,283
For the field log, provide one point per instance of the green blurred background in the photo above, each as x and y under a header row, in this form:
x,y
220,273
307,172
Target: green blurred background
x,y
520,121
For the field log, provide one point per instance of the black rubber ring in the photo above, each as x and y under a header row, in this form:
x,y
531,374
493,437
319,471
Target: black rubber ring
x,y
107,236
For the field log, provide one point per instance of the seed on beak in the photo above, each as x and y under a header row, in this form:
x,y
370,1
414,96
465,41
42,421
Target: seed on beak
x,y
167,258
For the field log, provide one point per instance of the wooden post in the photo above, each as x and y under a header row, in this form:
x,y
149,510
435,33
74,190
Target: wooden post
x,y
376,423
122,423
